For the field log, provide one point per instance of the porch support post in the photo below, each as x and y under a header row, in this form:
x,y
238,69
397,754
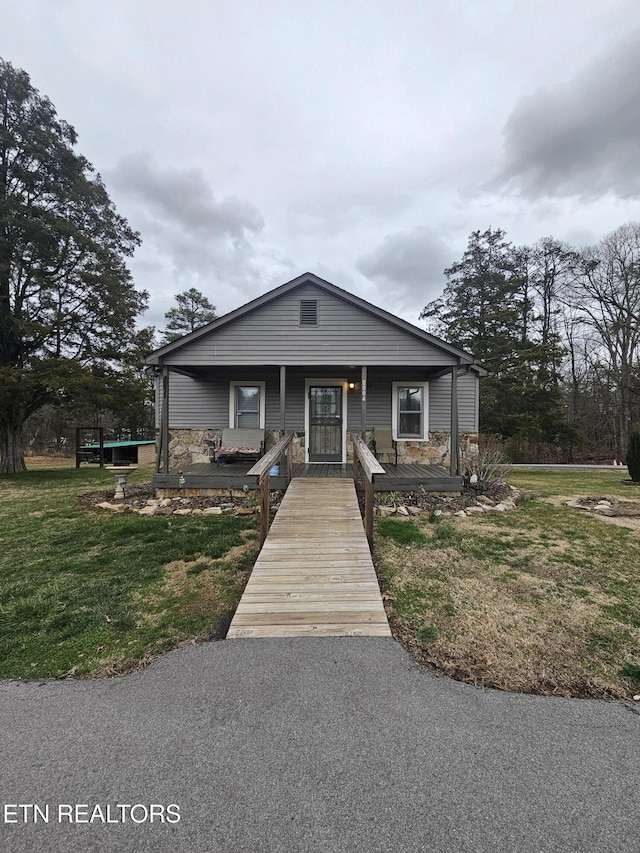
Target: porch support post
x,y
264,507
455,449
283,401
363,414
368,509
165,420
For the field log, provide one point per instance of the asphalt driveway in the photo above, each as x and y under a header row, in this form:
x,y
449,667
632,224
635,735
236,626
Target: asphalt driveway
x,y
311,745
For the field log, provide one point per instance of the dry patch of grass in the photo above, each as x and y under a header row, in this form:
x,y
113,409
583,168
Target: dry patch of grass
x,y
543,600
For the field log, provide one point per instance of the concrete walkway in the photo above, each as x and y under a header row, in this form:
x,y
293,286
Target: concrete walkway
x,y
314,575
316,746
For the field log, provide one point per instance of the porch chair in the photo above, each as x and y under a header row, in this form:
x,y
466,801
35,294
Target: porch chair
x,y
383,442
239,444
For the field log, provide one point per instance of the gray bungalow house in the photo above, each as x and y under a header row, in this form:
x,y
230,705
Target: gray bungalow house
x,y
311,359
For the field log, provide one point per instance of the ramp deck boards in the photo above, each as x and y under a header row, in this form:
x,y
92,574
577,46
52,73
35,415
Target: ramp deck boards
x,y
314,576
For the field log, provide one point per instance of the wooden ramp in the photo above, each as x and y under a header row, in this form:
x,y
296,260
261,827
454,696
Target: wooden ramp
x,y
314,576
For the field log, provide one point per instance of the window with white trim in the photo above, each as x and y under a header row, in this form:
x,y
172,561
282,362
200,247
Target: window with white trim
x,y
410,410
247,405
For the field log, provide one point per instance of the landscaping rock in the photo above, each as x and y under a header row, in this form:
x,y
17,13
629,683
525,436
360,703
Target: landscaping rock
x,y
212,510
604,510
245,510
414,510
166,502
475,510
148,510
402,510
461,513
386,511
183,512
111,507
485,501
574,504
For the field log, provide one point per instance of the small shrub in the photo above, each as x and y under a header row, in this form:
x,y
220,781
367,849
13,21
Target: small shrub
x,y
633,454
390,499
252,499
490,464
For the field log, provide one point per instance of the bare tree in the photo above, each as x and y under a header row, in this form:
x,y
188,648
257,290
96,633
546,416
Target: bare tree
x,y
608,294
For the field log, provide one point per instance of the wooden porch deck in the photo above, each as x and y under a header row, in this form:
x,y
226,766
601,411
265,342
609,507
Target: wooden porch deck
x,y
430,478
314,576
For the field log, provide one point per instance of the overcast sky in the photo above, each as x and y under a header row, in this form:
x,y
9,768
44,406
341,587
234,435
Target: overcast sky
x,y
253,140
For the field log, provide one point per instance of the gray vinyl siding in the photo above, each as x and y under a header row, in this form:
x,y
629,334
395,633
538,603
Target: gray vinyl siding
x,y
345,334
440,403
204,403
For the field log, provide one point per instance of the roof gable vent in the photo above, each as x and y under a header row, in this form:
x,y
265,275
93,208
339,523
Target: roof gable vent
x,y
308,312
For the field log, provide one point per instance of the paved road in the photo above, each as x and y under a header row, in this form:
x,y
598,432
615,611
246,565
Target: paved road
x,y
315,745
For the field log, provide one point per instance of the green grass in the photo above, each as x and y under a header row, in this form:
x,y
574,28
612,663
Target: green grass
x,y
402,532
86,593
545,599
547,482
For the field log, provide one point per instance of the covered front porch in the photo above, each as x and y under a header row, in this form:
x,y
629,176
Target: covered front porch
x,y
423,419
203,477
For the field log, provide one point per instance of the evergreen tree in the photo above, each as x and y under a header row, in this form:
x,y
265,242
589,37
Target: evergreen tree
x,y
66,296
192,311
490,307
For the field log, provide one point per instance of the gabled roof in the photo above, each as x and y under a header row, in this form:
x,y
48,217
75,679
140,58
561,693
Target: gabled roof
x,y
307,278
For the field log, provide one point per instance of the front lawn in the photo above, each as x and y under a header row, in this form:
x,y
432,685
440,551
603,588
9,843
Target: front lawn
x,y
87,593
545,599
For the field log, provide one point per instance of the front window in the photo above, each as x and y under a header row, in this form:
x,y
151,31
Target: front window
x,y
247,405
410,411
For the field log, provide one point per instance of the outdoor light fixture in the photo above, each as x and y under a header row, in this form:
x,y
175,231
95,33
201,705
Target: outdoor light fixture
x,y
352,385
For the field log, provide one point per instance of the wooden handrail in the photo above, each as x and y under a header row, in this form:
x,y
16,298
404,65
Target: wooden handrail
x,y
372,468
271,457
262,469
370,464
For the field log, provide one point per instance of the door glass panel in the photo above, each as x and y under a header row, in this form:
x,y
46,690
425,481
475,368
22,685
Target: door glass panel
x,y
247,406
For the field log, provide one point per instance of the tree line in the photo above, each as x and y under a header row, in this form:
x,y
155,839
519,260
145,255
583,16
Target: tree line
x,y
558,329
70,351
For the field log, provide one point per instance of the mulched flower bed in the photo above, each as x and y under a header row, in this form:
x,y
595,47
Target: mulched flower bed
x,y
610,506
138,495
451,503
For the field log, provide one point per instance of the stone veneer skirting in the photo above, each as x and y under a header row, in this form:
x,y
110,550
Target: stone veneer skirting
x,y
192,446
